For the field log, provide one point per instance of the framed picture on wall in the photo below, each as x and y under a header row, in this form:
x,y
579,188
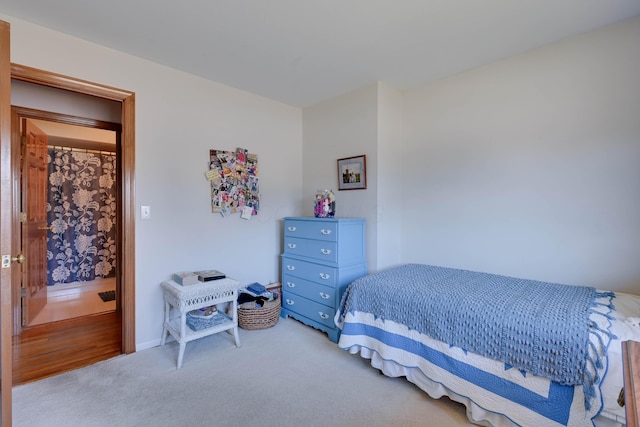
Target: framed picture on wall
x,y
352,173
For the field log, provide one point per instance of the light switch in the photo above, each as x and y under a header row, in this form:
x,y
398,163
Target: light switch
x,y
145,212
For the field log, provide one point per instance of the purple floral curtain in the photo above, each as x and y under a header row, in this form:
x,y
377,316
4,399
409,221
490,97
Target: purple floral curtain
x,y
81,211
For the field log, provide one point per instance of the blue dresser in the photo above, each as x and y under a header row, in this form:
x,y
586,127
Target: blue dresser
x,y
322,256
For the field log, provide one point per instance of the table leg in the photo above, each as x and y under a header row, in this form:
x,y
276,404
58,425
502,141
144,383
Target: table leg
x,y
236,336
165,331
181,354
183,336
234,314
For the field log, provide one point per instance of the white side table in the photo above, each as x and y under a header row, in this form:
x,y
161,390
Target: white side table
x,y
179,300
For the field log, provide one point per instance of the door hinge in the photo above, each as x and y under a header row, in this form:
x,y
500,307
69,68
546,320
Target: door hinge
x,y
23,217
23,292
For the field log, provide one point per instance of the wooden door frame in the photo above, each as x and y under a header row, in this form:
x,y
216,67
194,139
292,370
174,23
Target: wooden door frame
x,y
6,225
126,246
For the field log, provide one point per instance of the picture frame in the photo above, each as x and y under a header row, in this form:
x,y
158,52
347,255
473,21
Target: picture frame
x,y
352,173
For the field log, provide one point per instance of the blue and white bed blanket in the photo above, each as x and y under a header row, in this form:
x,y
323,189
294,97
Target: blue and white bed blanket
x,y
551,339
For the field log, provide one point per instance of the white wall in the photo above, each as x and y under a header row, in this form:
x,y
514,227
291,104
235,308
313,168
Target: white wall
x,y
61,101
530,167
344,126
179,117
388,172
365,121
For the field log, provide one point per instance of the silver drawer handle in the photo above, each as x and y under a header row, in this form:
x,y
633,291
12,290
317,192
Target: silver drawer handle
x,y
324,276
326,251
291,284
292,245
325,231
289,302
323,315
324,296
291,267
291,228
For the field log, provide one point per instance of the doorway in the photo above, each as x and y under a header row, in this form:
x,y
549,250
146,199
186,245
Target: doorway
x,y
76,166
79,217
125,277
126,274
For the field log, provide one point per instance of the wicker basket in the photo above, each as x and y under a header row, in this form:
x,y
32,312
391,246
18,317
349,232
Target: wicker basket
x,y
252,317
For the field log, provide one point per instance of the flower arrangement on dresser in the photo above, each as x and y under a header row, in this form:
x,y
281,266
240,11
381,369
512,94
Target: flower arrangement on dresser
x,y
325,204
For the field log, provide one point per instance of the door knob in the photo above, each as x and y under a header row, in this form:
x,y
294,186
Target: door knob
x,y
6,260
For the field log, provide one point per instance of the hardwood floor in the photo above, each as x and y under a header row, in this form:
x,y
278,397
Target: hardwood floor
x,y
75,329
45,350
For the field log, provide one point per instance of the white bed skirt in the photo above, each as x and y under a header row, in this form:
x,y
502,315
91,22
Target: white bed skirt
x,y
475,413
394,361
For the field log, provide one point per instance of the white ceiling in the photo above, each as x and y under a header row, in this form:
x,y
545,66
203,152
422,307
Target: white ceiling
x,y
301,52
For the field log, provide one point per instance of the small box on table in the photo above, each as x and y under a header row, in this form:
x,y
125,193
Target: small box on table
x,y
185,278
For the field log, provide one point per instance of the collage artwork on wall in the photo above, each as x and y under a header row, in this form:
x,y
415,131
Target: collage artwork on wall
x,y
234,182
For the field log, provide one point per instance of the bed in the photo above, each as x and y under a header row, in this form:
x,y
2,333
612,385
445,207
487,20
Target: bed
x,y
513,351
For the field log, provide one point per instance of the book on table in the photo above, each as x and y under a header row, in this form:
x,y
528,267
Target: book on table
x,y
207,275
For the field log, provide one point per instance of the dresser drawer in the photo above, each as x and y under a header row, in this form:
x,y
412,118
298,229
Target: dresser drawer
x,y
321,250
319,230
318,273
309,309
315,292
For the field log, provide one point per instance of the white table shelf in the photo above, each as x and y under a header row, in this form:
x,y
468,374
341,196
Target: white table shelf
x,y
179,300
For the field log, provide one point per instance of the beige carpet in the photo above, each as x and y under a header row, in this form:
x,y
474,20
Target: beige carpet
x,y
288,375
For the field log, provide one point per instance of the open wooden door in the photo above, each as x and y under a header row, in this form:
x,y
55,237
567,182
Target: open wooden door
x,y
6,228
33,220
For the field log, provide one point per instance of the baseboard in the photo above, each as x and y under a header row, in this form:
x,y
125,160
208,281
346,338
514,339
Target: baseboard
x,y
148,344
